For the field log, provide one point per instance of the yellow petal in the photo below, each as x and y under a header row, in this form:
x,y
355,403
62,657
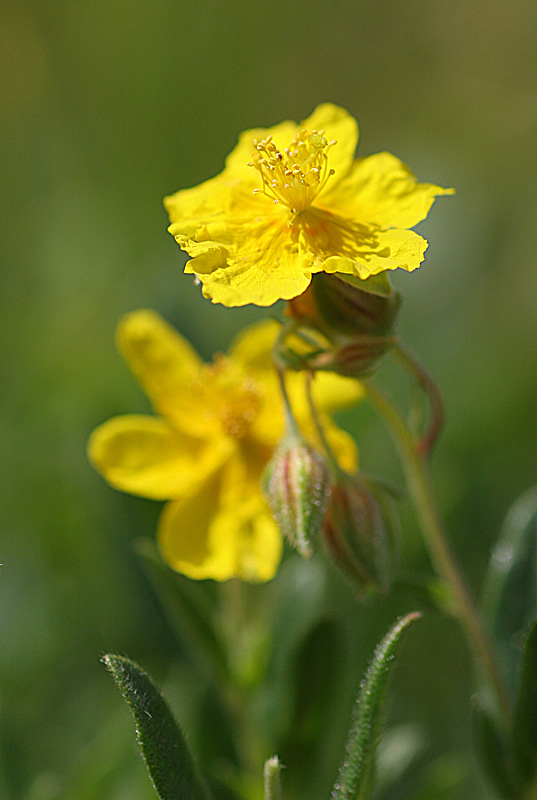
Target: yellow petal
x,y
393,249
242,477
342,444
262,266
339,125
252,347
201,201
338,244
382,190
184,533
202,539
145,456
333,392
164,363
330,392
268,426
258,543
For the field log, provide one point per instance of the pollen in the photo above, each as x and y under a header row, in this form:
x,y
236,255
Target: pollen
x,y
295,176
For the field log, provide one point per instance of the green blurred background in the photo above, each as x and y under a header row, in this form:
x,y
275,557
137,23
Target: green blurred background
x,y
105,108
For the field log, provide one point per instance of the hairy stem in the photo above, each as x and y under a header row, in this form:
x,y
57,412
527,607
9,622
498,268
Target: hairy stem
x,y
435,538
411,363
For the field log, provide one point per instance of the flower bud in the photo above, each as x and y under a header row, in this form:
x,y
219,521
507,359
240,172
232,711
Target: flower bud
x,y
350,307
308,348
347,322
353,358
360,533
296,483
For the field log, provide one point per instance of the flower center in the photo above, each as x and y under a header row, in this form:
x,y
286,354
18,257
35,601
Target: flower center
x,y
231,394
296,176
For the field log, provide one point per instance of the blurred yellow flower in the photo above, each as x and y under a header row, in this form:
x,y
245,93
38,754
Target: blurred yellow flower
x,y
217,427
291,201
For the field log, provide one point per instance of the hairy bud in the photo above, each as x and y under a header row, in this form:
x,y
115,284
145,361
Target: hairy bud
x,y
307,348
353,358
346,305
296,483
341,324
360,533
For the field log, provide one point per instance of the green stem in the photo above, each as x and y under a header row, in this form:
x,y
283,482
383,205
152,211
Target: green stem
x,y
411,363
330,457
234,622
417,474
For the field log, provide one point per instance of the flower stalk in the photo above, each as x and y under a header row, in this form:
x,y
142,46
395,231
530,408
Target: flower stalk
x,y
413,366
435,538
296,485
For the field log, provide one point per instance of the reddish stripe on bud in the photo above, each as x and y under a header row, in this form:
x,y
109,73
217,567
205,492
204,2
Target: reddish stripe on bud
x,y
296,484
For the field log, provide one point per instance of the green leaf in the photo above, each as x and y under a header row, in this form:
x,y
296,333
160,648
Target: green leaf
x,y
164,750
525,717
188,610
494,751
375,284
357,769
511,584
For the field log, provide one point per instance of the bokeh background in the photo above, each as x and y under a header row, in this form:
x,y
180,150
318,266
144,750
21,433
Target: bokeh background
x,y
105,108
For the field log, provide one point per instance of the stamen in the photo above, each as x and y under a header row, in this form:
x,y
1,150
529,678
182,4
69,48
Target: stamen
x,y
305,162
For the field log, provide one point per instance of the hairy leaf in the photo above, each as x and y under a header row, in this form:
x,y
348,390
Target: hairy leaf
x,y
165,752
355,773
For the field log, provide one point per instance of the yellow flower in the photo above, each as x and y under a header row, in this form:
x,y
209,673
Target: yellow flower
x,y
292,201
217,427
